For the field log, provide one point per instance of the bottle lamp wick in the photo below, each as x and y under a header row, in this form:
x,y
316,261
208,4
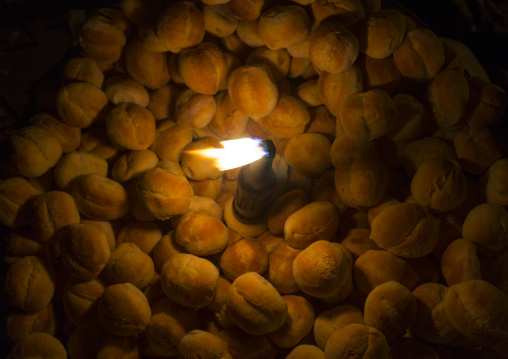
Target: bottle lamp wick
x,y
256,182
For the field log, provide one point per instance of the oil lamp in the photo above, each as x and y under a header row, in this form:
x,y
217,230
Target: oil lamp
x,y
256,180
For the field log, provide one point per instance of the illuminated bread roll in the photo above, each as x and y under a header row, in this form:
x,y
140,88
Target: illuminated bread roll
x,y
163,194
381,74
219,20
37,345
129,264
51,211
380,34
243,256
375,267
68,136
130,126
207,188
420,56
278,61
168,325
162,101
303,351
124,310
227,122
75,164
406,230
431,323
485,225
81,301
202,68
170,140
83,69
282,26
15,199
411,120
123,88
478,310
201,234
253,90
308,92
280,267
321,269
197,167
477,149
446,97
180,25
368,115
335,88
391,308
146,67
486,104
79,104
189,280
283,207
333,48
132,164
309,154
84,250
101,39
248,32
29,284
99,197
332,319
199,343
147,34
194,109
367,341
289,117
254,305
33,150
316,221
298,323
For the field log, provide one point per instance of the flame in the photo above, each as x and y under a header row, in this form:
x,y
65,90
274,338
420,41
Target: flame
x,y
235,153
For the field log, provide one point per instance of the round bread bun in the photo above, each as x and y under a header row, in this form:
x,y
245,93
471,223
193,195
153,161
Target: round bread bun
x,y
198,344
288,118
80,300
101,39
38,345
16,194
68,136
243,256
282,26
309,154
364,341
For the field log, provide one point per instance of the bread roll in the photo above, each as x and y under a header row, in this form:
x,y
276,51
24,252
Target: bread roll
x,y
254,305
381,33
381,74
252,89
280,267
357,341
241,344
132,164
124,310
194,109
123,88
227,122
37,345
198,167
493,183
29,283
348,12
101,39
163,194
168,325
411,120
282,26
406,230
128,264
485,225
306,351
278,61
417,151
68,136
332,319
95,140
431,323
19,324
243,256
115,346
81,301
290,117
202,68
180,25
219,19
309,154
316,221
21,242
420,56
375,267
33,151
75,164
333,48
391,308
198,344
84,250
79,104
15,199
321,269
83,69
189,280
146,67
162,101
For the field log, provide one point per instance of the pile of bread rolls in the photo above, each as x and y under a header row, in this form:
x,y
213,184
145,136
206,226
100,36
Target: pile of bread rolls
x,y
387,231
